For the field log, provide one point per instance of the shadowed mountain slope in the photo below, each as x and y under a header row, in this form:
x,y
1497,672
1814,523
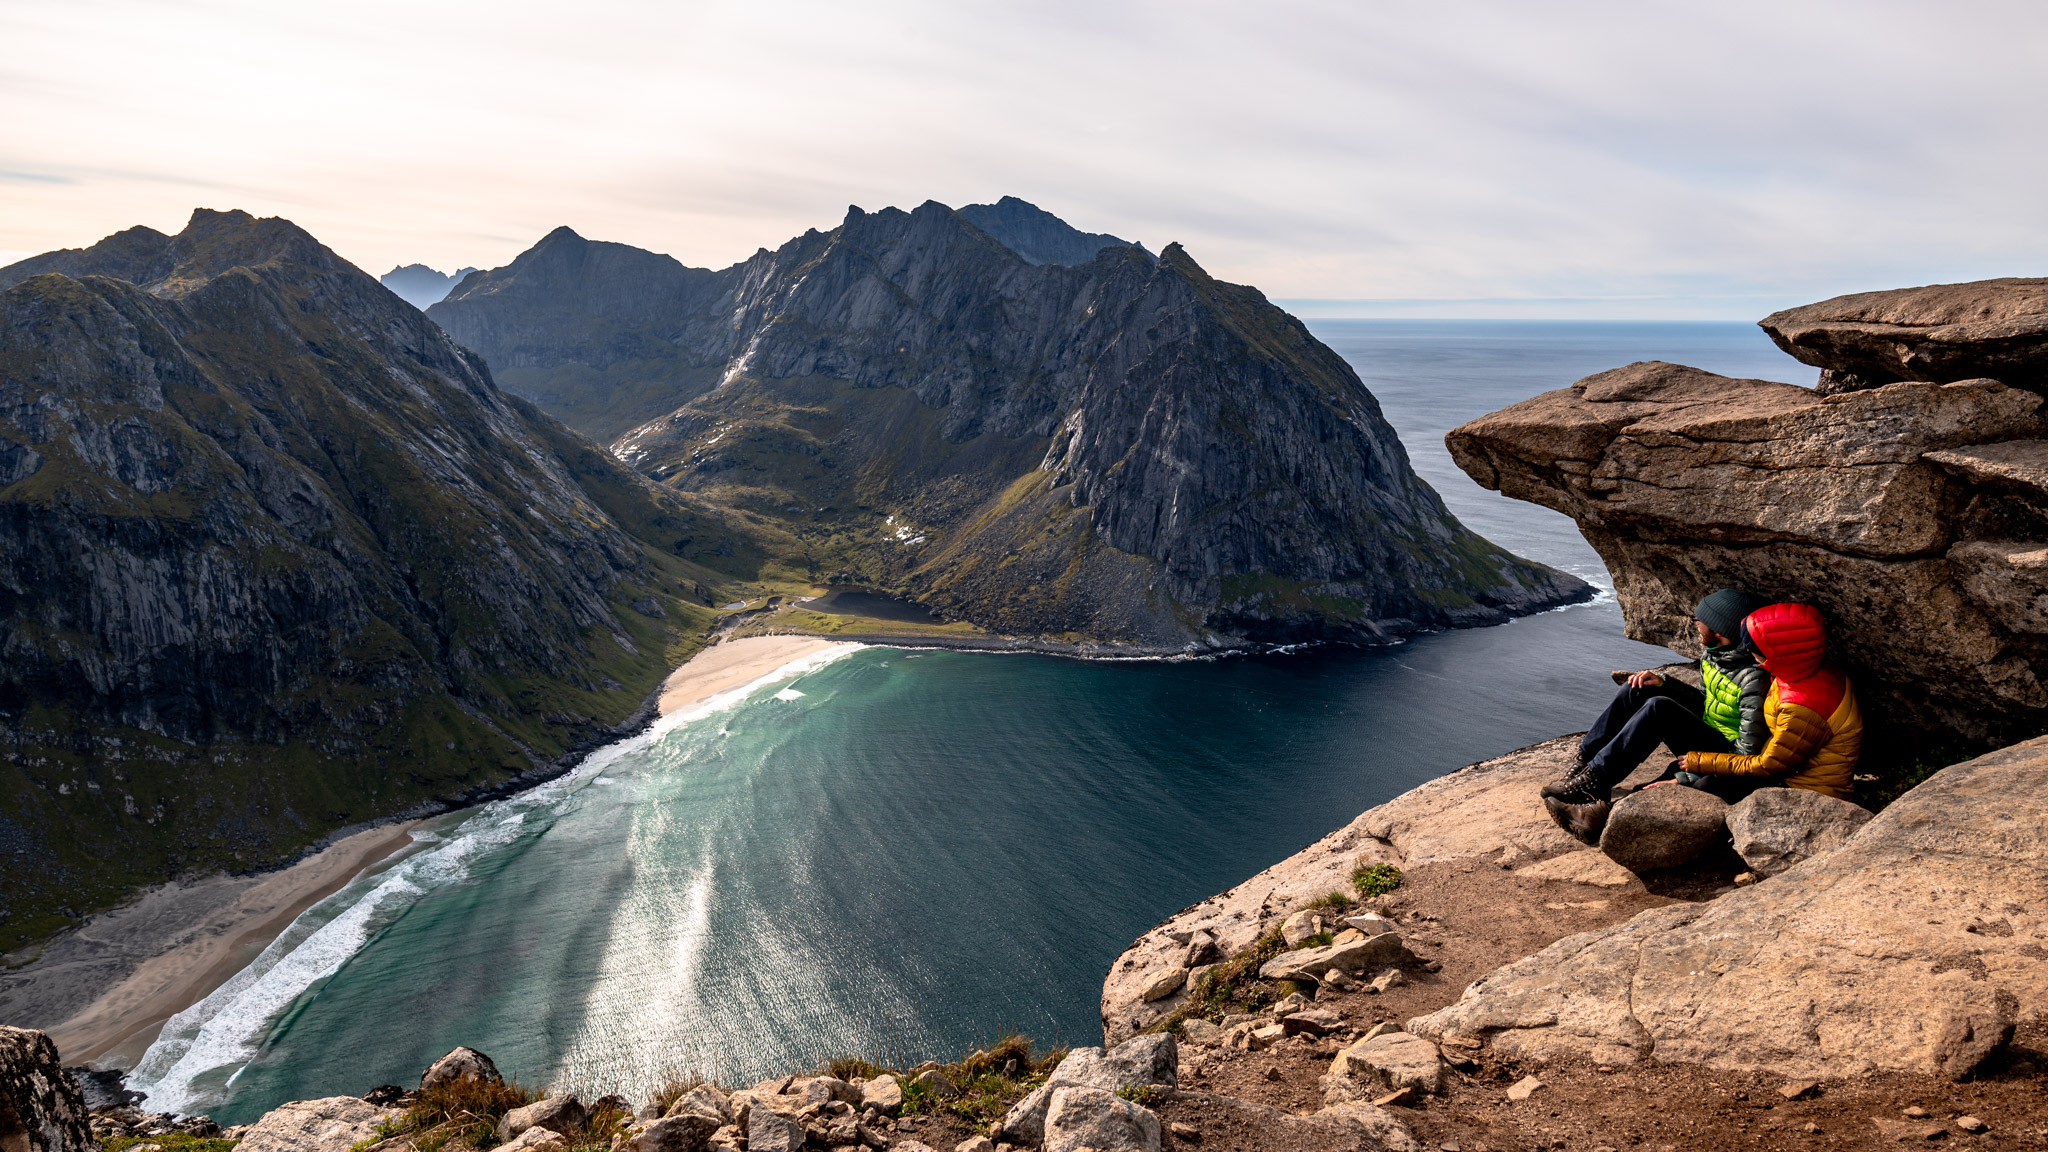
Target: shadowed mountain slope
x,y
276,556
1124,450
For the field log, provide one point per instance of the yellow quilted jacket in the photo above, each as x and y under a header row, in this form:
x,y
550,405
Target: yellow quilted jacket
x,y
1810,751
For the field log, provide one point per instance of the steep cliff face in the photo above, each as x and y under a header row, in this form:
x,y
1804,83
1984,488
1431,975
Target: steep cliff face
x,y
1914,514
276,556
1124,450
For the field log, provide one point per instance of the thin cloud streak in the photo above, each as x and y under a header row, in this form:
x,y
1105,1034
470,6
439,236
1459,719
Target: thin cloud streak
x,y
1577,153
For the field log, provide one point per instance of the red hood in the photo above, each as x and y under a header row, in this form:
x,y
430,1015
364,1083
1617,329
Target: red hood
x,y
1790,642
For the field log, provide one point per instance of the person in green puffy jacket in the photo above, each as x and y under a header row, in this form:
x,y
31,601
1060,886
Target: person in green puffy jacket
x,y
1725,715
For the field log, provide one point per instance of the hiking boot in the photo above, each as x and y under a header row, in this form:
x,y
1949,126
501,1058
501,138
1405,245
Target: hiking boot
x,y
1582,820
1579,786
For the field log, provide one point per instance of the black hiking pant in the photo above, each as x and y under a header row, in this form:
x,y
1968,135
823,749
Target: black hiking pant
x,y
1670,714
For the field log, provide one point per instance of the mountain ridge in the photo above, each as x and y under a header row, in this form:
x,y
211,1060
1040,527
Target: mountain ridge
x,y
1087,451
280,557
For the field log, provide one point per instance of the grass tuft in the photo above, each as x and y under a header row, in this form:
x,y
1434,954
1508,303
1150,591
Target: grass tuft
x,y
1376,880
465,1108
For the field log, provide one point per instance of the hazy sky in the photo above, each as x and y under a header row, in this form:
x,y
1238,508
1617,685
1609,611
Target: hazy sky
x,y
1514,158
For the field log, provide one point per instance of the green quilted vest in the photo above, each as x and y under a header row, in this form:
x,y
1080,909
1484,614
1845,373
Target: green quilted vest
x,y
1724,700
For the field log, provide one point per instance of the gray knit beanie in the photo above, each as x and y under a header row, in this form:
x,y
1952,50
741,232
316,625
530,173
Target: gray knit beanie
x,y
1724,611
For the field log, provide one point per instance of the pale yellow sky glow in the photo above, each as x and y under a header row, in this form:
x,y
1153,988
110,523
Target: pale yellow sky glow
x,y
1612,159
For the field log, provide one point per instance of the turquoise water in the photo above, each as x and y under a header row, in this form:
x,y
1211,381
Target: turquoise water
x,y
902,853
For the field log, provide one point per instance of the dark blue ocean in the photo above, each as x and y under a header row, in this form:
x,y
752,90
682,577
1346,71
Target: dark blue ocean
x,y
902,854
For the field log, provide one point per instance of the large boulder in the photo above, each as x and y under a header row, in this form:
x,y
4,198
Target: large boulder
x,y
460,1063
41,1109
1915,947
1082,1119
1149,1061
1686,482
334,1124
1775,828
1662,827
1943,332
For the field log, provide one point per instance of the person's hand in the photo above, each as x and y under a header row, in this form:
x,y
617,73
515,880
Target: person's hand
x,y
1646,679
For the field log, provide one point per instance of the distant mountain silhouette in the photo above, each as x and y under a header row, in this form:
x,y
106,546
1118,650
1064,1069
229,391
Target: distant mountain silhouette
x,y
421,286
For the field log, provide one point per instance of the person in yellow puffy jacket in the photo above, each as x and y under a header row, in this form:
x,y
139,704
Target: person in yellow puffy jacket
x,y
1816,730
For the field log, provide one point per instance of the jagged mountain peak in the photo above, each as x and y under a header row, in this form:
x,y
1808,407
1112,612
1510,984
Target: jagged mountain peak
x,y
212,243
1037,235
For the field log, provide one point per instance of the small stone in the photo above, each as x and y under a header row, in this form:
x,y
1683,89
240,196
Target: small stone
x,y
459,1063
936,1083
1971,1124
1274,1074
1794,1089
1299,927
975,1144
1745,879
1265,1036
536,1140
1335,978
1811,1127
1450,1146
1164,983
1914,1113
1380,1029
1395,1099
1187,1132
1348,936
1605,1148
1370,924
883,1094
1524,1088
1314,1022
558,1114
1205,1033
1391,978
1396,1059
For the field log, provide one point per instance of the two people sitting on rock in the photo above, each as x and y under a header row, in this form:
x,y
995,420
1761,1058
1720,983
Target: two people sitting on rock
x,y
1774,712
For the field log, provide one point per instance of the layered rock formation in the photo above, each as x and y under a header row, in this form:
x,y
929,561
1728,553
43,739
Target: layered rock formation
x,y
1912,514
1943,333
276,556
1124,450
1914,947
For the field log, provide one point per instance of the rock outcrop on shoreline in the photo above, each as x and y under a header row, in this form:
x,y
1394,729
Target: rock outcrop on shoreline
x,y
1912,514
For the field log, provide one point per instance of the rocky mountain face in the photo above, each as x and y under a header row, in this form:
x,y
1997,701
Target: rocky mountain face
x,y
1124,450
1037,235
276,556
1913,513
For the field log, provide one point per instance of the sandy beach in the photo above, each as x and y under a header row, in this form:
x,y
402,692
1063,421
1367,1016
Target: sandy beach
x,y
103,991
723,667
165,952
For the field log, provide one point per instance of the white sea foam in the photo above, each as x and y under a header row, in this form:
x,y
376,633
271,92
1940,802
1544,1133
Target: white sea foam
x,y
201,1050
789,694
